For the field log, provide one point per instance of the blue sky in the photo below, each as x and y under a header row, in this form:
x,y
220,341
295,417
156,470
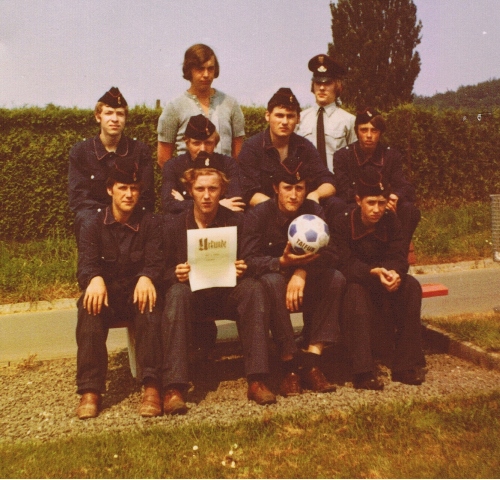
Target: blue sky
x,y
68,52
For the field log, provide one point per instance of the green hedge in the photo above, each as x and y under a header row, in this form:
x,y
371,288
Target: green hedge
x,y
447,158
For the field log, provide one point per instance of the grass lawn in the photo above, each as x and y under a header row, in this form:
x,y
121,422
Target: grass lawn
x,y
482,329
46,269
457,438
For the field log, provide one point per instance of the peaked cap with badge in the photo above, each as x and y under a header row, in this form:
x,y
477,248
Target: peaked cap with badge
x,y
124,170
199,127
325,68
113,98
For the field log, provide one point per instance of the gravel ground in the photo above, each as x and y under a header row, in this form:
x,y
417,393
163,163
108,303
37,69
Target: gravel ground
x,y
38,400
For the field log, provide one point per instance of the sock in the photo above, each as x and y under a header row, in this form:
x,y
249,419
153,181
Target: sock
x,y
290,366
310,360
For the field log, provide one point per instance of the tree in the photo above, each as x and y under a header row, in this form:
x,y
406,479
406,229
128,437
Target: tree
x,y
376,41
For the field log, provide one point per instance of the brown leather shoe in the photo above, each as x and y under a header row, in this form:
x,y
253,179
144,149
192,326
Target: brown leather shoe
x,y
151,403
412,376
89,405
316,381
367,381
290,385
173,403
260,394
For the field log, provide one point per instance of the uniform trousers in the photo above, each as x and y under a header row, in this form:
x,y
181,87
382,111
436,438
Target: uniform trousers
x,y
322,300
246,303
92,333
395,313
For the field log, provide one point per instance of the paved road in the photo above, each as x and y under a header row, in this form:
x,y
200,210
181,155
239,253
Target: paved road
x,y
51,334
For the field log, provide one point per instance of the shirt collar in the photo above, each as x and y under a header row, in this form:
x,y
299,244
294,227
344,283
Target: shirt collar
x,y
359,230
294,142
329,109
133,222
220,219
376,159
101,152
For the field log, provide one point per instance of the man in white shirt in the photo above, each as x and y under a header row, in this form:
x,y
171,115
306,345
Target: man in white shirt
x,y
326,125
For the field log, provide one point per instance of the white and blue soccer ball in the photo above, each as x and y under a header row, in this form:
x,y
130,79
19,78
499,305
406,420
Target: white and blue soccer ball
x,y
308,233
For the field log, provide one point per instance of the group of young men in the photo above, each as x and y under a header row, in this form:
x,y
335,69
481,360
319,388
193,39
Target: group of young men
x,y
133,263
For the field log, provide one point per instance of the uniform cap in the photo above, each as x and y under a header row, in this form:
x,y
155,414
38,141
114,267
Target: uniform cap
x,y
325,68
113,98
205,160
199,127
124,170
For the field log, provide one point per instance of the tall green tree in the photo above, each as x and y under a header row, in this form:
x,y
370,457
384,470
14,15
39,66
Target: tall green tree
x,y
376,41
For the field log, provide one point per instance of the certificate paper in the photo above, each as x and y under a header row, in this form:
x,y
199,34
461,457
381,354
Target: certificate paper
x,y
211,255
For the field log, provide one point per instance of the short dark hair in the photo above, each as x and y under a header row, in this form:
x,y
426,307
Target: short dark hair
x,y
195,57
110,182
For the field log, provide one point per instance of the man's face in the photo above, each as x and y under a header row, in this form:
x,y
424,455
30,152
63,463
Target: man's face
x,y
325,92
124,197
202,77
194,147
372,209
282,122
206,192
112,120
368,137
290,197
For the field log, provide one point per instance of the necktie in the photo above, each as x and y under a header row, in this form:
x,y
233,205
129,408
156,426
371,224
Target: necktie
x,y
320,136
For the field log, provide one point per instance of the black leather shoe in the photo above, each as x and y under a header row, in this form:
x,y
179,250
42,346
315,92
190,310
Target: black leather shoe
x,y
412,376
367,381
290,385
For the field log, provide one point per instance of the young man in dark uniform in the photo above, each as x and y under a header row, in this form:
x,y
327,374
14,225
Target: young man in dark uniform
x,y
119,268
262,155
294,282
90,159
349,163
200,136
380,295
246,302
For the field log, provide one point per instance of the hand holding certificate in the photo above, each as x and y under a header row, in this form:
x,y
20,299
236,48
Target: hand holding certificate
x,y
211,256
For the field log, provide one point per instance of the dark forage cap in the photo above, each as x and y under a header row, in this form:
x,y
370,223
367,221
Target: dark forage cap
x,y
113,98
371,183
291,172
199,127
284,97
124,170
325,68
370,115
205,160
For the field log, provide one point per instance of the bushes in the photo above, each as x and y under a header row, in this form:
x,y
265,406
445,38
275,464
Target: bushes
x,y
448,159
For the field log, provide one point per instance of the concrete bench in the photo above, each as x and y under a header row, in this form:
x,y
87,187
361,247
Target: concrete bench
x,y
428,290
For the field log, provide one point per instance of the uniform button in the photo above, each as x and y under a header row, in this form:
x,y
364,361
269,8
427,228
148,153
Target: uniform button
x,y
92,177
184,193
98,209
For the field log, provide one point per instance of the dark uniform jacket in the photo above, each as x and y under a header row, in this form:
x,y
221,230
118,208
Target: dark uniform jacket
x,y
349,161
259,161
120,253
87,175
175,229
265,235
361,251
172,173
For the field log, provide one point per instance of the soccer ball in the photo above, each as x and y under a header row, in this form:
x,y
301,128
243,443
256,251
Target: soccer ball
x,y
308,233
